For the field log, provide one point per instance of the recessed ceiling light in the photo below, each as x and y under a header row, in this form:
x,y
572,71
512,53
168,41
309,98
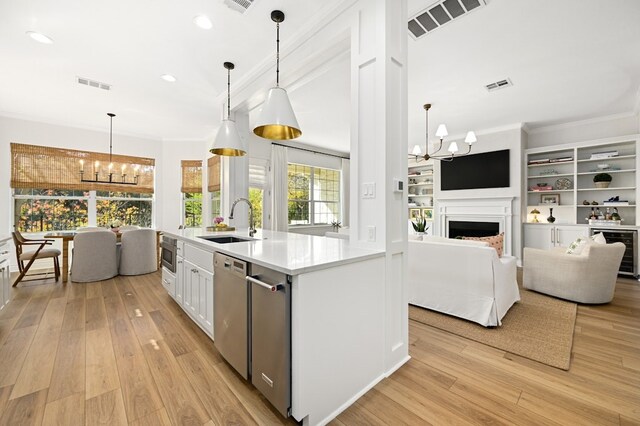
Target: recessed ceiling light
x,y
40,37
169,78
203,22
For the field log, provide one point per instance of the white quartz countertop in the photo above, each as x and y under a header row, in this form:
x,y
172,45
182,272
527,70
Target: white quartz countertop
x,y
285,252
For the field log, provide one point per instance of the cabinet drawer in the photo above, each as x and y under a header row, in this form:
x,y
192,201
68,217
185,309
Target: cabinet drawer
x,y
169,282
199,257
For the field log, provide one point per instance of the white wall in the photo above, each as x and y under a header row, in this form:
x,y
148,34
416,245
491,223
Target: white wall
x,y
35,133
170,175
506,139
586,130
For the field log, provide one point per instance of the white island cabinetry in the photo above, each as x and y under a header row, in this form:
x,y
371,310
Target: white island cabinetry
x,y
338,326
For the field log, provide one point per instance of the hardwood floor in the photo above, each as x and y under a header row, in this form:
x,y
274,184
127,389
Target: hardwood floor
x,y
122,352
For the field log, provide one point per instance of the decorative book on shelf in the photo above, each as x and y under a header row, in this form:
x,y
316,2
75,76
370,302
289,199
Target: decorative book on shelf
x,y
603,154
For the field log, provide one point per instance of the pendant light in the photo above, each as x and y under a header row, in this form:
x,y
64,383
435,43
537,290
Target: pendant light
x,y
228,141
277,120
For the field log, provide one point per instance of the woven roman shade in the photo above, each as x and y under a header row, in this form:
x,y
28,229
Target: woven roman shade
x,y
191,176
213,173
44,167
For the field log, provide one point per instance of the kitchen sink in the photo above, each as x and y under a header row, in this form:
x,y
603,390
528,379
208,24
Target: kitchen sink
x,y
225,239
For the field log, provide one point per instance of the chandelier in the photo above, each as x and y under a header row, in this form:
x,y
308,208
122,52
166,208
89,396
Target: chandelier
x,y
120,179
441,133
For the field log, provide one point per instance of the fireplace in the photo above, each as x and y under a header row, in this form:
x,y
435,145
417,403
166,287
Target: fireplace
x,y
472,229
478,217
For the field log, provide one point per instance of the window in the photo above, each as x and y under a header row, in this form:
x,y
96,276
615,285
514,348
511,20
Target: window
x,y
44,210
215,204
258,171
192,208
126,207
256,197
313,195
192,193
49,193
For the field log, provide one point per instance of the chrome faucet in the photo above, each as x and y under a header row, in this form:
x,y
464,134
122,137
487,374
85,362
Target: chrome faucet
x,y
252,230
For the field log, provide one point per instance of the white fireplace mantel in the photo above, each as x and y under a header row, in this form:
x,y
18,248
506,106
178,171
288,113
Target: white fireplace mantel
x,y
494,209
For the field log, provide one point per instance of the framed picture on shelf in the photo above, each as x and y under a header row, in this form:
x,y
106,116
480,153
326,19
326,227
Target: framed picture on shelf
x,y
427,214
414,213
550,199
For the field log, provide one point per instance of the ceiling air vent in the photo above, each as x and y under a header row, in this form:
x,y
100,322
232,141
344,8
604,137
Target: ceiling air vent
x,y
239,5
499,85
439,14
93,83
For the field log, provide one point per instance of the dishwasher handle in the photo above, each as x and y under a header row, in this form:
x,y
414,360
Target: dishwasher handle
x,y
269,287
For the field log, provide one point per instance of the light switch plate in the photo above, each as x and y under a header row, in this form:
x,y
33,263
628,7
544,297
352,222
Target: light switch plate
x,y
371,233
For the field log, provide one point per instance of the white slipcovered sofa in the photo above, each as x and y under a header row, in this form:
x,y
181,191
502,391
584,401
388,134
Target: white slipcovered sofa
x,y
463,278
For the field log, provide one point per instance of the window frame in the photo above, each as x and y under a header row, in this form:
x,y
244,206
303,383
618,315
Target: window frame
x,y
312,201
183,213
91,199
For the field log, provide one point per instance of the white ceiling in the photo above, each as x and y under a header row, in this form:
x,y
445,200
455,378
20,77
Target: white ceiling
x,y
569,60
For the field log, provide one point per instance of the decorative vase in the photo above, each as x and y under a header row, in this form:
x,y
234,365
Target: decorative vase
x,y
602,184
420,236
551,219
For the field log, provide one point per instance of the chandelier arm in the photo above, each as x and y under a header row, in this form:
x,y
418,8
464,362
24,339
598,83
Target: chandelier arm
x,y
437,150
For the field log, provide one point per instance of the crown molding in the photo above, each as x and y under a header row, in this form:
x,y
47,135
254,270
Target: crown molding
x,y
572,124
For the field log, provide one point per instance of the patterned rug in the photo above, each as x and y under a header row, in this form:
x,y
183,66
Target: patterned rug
x,y
538,327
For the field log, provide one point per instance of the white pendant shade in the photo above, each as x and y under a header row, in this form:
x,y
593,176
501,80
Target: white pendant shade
x,y
228,141
471,138
453,148
416,150
277,120
442,131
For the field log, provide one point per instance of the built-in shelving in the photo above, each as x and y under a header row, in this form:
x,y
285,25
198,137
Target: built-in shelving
x,y
420,179
580,171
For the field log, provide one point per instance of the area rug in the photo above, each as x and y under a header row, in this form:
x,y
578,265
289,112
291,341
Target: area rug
x,y
538,327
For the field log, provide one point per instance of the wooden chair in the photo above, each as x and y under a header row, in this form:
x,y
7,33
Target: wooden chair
x,y
31,256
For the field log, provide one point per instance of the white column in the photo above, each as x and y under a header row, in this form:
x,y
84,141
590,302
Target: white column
x,y
378,153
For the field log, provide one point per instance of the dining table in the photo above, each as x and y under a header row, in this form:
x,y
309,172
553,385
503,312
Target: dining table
x,y
67,236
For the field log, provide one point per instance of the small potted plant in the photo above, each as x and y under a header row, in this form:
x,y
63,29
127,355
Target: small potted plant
x,y
420,226
336,225
602,180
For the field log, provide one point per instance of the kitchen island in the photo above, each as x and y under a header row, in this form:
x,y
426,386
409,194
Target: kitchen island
x,y
337,309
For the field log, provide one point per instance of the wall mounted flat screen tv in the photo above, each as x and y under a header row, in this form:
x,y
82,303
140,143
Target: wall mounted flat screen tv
x,y
475,171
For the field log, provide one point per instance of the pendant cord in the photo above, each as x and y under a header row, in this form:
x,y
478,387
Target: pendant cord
x,y
426,128
110,138
277,54
228,94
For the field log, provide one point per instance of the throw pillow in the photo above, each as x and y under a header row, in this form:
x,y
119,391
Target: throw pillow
x,y
577,247
496,241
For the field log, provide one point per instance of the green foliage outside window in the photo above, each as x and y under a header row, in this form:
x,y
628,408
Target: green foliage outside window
x,y
313,195
193,209
255,196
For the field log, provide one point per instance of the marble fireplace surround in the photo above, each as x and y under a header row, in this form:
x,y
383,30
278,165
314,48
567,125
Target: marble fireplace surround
x,y
493,209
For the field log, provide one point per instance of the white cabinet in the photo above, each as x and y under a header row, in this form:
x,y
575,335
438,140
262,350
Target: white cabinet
x,y
169,282
5,279
547,236
198,295
179,284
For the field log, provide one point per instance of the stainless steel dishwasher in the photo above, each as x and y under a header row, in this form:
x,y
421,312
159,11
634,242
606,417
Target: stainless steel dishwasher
x,y
231,311
271,336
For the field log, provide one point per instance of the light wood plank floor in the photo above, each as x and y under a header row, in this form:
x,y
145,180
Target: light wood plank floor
x,y
122,352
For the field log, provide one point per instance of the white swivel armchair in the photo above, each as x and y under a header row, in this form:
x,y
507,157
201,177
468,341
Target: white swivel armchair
x,y
589,277
94,256
138,253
